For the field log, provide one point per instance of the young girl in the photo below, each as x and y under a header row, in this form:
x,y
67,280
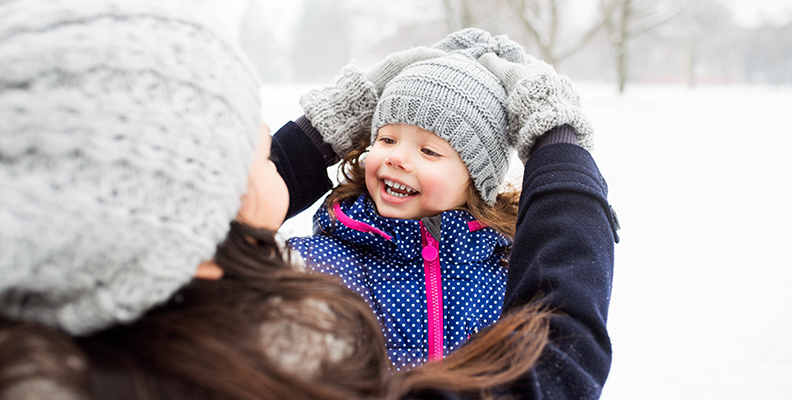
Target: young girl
x,y
418,228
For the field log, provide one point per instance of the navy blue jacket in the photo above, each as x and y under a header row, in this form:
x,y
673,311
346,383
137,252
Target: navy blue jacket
x,y
563,249
429,294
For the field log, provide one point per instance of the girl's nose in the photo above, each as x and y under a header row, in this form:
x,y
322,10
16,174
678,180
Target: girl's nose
x,y
399,158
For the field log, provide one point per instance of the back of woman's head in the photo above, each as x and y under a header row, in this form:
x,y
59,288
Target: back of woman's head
x,y
128,130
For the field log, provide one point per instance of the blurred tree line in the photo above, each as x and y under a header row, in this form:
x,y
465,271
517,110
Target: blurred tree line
x,y
619,41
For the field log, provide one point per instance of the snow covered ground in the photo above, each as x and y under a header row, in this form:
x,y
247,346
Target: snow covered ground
x,y
701,180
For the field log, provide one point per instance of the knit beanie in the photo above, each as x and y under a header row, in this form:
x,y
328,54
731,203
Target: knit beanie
x,y
459,100
127,130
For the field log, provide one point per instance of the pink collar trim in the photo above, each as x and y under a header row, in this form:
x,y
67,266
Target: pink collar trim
x,y
357,225
476,225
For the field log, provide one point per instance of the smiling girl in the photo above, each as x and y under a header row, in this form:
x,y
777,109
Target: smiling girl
x,y
419,228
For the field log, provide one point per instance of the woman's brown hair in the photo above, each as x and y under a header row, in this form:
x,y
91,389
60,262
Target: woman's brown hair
x,y
502,216
499,355
207,342
224,319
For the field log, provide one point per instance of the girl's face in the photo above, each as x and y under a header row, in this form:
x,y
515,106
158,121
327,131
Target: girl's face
x,y
267,198
412,173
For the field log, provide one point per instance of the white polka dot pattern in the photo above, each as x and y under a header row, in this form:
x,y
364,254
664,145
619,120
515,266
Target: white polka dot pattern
x,y
389,275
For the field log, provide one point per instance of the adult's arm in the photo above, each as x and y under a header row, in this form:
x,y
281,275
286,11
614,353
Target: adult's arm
x,y
563,252
302,159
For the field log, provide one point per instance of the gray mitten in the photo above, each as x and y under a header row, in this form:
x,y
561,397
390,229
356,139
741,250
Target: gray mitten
x,y
342,113
539,100
392,65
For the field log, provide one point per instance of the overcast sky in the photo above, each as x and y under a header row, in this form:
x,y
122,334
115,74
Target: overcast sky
x,y
281,16
751,12
283,13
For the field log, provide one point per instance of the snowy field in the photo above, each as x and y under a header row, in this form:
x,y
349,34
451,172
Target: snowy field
x,y
701,180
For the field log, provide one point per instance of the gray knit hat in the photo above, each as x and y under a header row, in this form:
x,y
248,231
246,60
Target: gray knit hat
x,y
461,101
127,130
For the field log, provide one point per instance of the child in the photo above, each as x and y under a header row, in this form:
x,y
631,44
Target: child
x,y
419,229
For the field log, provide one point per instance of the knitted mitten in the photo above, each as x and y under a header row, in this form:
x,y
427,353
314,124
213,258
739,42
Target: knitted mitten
x,y
342,113
539,99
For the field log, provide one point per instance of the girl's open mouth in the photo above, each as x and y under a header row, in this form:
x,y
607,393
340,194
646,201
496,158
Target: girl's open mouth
x,y
397,189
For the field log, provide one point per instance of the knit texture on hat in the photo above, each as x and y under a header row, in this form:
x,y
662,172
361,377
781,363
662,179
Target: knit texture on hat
x,y
127,129
458,99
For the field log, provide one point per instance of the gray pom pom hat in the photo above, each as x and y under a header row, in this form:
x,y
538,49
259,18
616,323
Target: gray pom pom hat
x,y
461,101
127,130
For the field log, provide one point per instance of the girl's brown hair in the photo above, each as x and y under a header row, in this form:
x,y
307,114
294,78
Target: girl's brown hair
x,y
207,342
502,216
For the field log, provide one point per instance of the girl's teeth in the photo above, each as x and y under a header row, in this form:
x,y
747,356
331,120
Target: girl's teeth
x,y
392,193
390,185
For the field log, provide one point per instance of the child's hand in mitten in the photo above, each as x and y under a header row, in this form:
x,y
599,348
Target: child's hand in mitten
x,y
539,99
342,113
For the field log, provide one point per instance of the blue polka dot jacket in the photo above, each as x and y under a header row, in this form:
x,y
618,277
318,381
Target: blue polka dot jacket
x,y
429,293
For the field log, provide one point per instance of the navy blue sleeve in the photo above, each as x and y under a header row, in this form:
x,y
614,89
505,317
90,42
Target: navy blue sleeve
x,y
302,167
563,252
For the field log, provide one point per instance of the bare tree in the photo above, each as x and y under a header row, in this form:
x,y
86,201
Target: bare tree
x,y
632,18
487,15
543,19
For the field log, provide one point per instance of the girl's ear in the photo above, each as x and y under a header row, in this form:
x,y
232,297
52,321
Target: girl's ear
x,y
209,271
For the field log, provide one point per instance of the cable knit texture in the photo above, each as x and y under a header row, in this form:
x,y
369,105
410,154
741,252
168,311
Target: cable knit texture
x,y
342,113
539,100
458,99
127,130
476,42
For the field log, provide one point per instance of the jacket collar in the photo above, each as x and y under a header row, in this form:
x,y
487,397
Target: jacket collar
x,y
360,224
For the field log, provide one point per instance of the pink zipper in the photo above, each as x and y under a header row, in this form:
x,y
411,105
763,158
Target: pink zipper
x,y
434,293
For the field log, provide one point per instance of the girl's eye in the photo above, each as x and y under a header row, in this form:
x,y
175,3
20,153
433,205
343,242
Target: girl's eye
x,y
386,140
430,153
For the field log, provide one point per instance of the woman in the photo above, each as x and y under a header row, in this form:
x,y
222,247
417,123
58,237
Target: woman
x,y
131,138
129,141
